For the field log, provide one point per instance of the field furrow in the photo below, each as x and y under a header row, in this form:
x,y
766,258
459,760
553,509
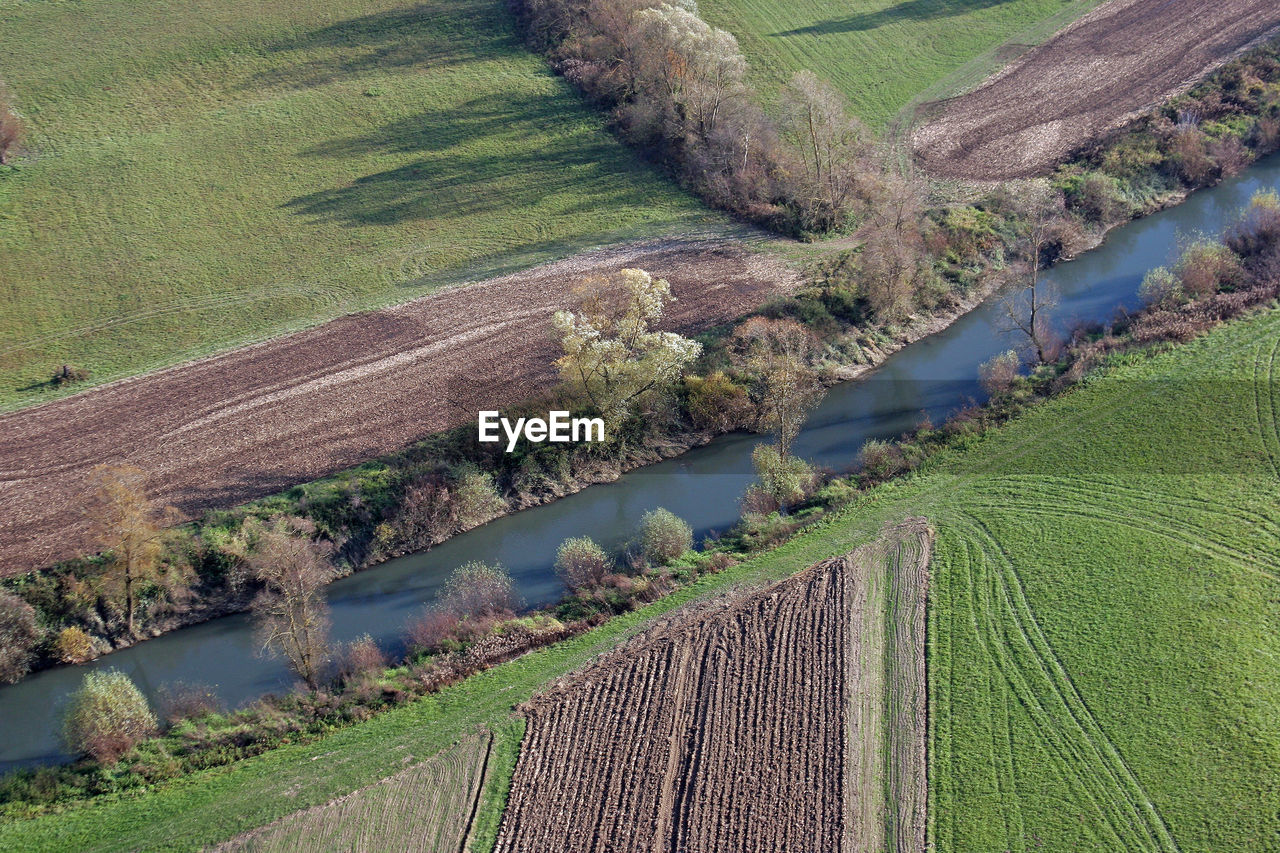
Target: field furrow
x,y
788,718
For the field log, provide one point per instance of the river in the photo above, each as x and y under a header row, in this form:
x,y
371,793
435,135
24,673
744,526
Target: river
x,y
935,375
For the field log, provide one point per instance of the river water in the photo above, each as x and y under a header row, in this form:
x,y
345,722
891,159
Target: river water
x,y
936,375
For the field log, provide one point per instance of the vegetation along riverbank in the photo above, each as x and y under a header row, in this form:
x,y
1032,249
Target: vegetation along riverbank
x,y
908,270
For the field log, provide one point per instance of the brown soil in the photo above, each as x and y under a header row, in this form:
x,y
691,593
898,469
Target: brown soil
x,y
1121,59
750,724
226,429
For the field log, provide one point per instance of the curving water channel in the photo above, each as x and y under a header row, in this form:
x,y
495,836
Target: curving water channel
x,y
935,375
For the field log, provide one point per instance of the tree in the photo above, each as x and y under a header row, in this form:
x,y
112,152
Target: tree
x,y
664,536
291,613
832,144
581,563
998,374
687,63
776,354
129,528
18,635
1026,310
107,716
612,356
11,128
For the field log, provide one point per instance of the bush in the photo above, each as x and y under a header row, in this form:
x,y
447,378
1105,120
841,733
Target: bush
x,y
476,499
1096,197
581,563
664,536
18,635
786,479
432,631
69,374
479,589
718,403
360,658
999,374
1161,288
880,460
107,717
74,645
1207,267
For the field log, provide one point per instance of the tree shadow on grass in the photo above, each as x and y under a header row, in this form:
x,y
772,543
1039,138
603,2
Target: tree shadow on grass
x,y
910,11
431,34
482,156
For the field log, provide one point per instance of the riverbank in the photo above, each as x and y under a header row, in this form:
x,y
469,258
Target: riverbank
x,y
1145,335
975,247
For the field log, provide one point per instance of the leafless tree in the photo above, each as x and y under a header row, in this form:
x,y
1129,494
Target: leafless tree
x,y
1026,309
832,144
291,613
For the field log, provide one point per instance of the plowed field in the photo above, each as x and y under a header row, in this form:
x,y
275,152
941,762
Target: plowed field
x,y
1122,58
253,421
757,724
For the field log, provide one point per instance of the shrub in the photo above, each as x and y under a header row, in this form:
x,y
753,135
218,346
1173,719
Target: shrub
x,y
786,479
664,536
1256,236
718,403
431,631
880,460
581,563
476,499
1206,267
107,716
69,374
360,658
1161,288
1096,197
10,129
479,589
999,374
18,635
74,645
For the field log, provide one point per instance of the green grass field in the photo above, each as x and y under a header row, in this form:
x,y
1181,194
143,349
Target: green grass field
x,y
883,54
199,177
1103,635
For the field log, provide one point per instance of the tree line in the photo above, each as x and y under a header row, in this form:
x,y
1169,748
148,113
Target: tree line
x,y
676,88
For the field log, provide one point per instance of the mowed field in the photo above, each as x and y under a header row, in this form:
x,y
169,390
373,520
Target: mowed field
x,y
198,177
880,53
1104,622
757,723
425,808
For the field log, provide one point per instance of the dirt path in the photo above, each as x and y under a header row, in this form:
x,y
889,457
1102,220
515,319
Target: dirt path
x,y
247,423
1121,59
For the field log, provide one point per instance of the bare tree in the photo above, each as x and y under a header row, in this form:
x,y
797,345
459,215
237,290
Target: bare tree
x,y
129,528
777,354
11,128
831,142
1026,309
290,611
